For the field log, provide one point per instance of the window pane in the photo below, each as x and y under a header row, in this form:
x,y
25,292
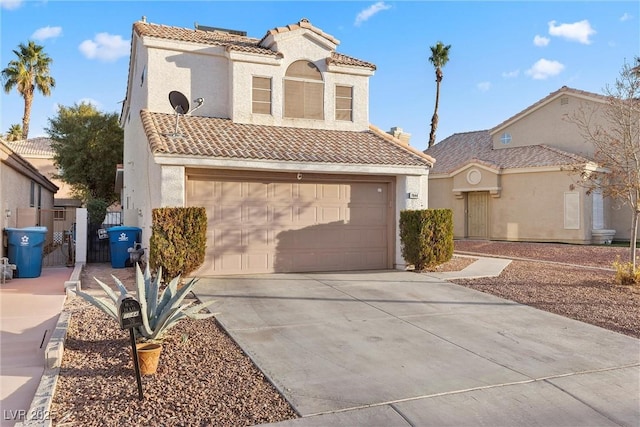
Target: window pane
x,y
262,83
293,99
344,103
343,91
313,100
304,70
261,95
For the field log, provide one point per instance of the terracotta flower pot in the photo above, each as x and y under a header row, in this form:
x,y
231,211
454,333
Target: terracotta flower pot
x,y
148,357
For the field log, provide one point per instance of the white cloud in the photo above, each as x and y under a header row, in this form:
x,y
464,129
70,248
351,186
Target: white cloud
x,y
46,33
370,11
626,17
483,86
544,69
578,31
105,47
511,74
10,4
541,41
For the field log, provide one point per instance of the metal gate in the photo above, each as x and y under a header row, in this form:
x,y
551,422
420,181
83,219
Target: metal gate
x,y
59,245
98,248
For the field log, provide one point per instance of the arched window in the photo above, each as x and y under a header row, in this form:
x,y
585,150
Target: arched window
x,y
303,91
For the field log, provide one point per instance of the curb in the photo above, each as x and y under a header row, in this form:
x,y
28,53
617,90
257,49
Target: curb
x,y
39,413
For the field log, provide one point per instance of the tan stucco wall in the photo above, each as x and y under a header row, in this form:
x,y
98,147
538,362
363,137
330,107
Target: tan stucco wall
x,y
530,207
46,167
620,220
556,131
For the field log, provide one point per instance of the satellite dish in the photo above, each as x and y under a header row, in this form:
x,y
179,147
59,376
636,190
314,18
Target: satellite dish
x,y
180,105
179,102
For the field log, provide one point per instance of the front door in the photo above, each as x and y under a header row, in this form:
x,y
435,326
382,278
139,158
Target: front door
x,y
478,215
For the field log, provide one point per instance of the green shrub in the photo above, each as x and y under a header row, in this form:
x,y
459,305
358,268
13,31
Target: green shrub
x,y
97,209
178,240
426,237
625,274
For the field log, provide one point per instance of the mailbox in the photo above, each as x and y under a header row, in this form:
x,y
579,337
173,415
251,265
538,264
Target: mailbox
x,y
129,312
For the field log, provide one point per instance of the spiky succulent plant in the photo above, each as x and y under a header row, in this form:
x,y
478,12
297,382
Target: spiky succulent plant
x,y
160,311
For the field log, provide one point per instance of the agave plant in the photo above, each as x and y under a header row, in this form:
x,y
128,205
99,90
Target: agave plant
x,y
160,311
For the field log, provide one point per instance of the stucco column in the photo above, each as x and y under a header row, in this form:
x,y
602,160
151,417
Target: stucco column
x,y
411,193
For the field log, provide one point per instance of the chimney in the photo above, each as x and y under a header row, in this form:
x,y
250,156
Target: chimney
x,y
398,133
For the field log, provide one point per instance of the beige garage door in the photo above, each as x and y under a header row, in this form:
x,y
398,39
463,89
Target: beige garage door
x,y
263,227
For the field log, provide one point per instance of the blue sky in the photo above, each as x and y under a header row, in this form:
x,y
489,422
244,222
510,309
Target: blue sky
x,y
504,56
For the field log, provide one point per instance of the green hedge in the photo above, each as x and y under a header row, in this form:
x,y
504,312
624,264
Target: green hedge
x,y
426,237
178,240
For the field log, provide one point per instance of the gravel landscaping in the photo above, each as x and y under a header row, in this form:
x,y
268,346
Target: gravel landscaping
x,y
205,379
571,280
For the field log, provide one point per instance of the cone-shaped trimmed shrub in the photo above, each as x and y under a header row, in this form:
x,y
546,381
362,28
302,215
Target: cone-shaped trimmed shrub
x,y
426,237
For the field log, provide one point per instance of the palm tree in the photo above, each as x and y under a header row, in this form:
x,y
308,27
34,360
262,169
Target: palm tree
x,y
28,73
14,133
439,57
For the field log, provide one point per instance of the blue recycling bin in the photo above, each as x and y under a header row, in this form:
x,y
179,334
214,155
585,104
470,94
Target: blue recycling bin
x,y
25,250
121,238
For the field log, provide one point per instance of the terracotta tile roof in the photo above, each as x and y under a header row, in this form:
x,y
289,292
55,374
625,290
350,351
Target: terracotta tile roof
x,y
562,91
239,43
460,149
340,59
211,38
222,139
32,147
303,23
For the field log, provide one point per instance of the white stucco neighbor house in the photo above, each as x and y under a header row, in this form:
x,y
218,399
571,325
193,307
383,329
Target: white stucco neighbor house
x,y
275,143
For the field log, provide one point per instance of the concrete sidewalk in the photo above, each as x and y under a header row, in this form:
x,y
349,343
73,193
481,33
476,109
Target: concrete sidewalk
x,y
29,311
400,348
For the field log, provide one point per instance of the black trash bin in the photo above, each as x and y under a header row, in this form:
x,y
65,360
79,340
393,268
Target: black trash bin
x,y
25,250
121,238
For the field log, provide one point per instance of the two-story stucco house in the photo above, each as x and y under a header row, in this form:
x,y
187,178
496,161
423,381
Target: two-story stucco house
x,y
276,145
513,182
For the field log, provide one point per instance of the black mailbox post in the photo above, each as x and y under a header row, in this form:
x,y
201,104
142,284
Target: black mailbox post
x,y
130,315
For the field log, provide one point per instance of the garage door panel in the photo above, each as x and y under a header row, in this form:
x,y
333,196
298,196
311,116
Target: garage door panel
x,y
225,191
281,214
229,214
330,191
306,215
305,192
331,213
256,238
229,238
255,214
260,227
257,261
256,191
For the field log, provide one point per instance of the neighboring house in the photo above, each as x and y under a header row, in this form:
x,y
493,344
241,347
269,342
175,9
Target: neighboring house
x,y
39,153
24,191
513,182
279,150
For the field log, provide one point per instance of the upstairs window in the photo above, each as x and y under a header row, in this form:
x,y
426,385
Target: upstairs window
x,y
303,91
344,103
261,95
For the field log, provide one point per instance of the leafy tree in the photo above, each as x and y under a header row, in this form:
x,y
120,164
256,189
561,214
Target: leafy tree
x,y
88,146
14,133
614,131
28,73
439,58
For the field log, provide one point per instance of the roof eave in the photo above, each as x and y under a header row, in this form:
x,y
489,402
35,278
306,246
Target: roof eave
x,y
281,165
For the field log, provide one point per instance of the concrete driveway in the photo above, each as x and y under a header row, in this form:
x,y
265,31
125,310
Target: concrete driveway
x,y
400,348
